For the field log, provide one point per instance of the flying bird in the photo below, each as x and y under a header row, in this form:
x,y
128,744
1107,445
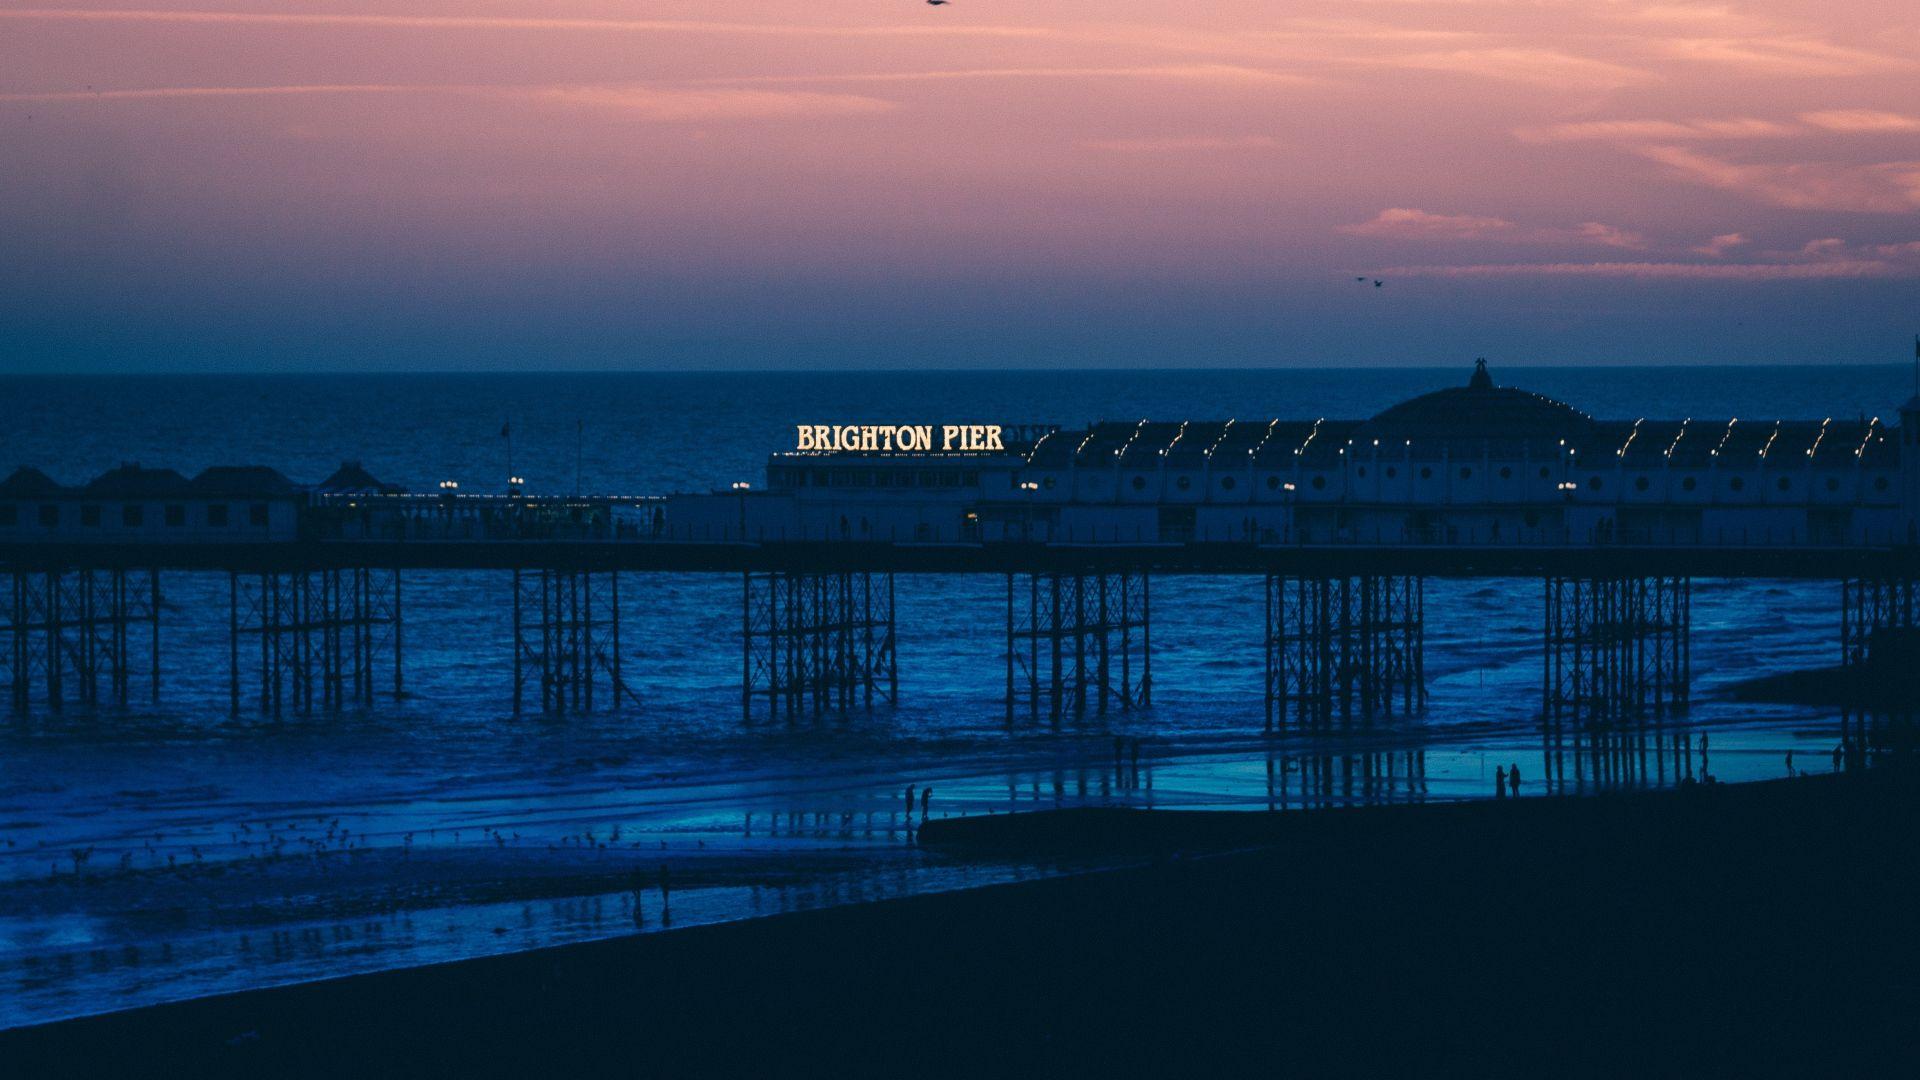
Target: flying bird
x,y
1361,280
936,3
1377,283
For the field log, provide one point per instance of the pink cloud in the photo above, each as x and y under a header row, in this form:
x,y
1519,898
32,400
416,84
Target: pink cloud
x,y
1861,120
1720,245
1888,187
1407,223
1867,268
1197,142
1655,130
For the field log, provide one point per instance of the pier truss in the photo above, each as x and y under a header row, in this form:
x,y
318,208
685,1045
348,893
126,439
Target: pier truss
x,y
816,642
1077,642
566,638
308,638
1344,648
1616,649
72,631
1879,650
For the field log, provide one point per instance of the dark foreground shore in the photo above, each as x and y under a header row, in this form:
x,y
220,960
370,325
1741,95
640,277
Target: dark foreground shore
x,y
1767,927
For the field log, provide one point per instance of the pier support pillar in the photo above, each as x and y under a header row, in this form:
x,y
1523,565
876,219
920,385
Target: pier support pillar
x,y
816,642
566,638
74,630
318,636
1616,649
1078,641
1344,648
1880,651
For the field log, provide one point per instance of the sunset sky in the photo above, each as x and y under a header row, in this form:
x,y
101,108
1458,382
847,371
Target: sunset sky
x,y
420,184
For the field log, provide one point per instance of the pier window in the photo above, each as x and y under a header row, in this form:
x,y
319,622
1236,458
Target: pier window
x,y
1833,483
1363,472
90,517
1545,472
1783,484
1594,484
1226,483
1273,483
1506,472
1736,483
1879,483
1319,483
1183,483
1641,483
176,515
217,515
1466,473
133,515
1426,473
257,515
1392,472
1687,484
49,516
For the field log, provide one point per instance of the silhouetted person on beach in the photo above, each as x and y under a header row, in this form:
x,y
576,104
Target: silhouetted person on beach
x,y
1499,782
665,888
1838,752
1789,763
1513,778
926,799
909,798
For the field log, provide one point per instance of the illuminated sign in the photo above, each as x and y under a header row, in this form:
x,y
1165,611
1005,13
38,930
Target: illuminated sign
x,y
962,438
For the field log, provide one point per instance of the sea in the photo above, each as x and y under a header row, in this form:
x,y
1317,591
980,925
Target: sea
x,y
173,849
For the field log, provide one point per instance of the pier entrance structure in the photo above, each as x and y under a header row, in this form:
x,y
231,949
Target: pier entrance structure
x,y
814,643
313,638
1078,641
1616,649
70,632
1344,648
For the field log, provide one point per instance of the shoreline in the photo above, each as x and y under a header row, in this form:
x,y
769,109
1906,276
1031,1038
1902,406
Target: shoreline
x,y
1681,914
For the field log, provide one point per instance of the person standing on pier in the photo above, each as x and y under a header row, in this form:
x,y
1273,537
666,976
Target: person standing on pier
x,y
1513,779
1499,782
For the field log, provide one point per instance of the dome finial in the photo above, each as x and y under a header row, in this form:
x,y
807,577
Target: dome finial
x,y
1481,380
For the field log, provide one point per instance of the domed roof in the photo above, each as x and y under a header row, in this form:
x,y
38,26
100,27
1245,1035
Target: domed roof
x,y
1478,410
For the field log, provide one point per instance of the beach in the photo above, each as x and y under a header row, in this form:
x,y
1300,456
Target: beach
x,y
1712,927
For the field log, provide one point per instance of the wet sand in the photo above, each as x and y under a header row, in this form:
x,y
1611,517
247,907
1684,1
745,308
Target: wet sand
x,y
1716,927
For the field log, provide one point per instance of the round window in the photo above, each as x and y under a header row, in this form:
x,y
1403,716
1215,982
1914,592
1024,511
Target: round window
x,y
1183,483
1392,472
1506,472
1833,483
1047,483
1736,483
1593,483
1532,519
1783,483
1273,483
1226,483
1426,473
1545,472
1687,484
1640,483
1319,482
1139,483
1363,472
1879,483
1466,473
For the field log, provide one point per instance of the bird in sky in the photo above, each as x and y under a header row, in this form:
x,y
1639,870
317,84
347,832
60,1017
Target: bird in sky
x,y
1377,283
1361,280
936,3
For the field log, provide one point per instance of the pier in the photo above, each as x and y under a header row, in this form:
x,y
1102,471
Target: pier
x,y
1335,525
